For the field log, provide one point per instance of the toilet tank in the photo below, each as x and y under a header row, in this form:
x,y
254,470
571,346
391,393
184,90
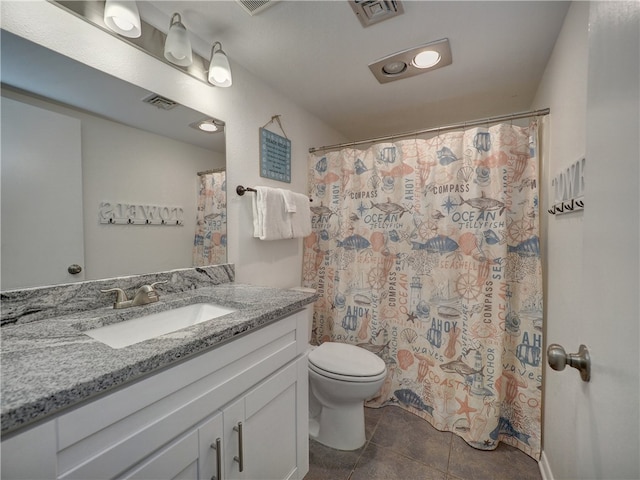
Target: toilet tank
x,y
308,308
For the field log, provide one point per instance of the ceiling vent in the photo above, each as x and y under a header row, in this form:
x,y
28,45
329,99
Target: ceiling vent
x,y
159,101
375,11
254,7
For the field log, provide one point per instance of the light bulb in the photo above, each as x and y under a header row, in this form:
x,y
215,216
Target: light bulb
x,y
219,68
177,46
122,17
426,59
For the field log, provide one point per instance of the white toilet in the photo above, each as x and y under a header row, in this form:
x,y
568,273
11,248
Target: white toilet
x,y
341,378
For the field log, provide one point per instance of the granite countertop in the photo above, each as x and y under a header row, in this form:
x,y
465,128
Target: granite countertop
x,y
50,365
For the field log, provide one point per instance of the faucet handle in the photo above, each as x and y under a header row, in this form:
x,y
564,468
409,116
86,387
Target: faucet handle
x,y
120,295
158,283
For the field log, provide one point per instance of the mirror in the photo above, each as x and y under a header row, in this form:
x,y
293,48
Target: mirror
x,y
136,181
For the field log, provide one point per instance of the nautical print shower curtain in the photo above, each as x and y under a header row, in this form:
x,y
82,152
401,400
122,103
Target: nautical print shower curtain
x,y
210,241
427,253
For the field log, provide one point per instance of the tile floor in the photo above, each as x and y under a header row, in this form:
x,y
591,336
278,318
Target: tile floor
x,y
401,446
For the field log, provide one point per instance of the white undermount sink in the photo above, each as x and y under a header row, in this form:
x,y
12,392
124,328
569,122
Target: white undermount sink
x,y
128,332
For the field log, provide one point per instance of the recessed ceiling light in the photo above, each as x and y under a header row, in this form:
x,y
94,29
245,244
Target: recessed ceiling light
x,y
412,61
208,125
426,59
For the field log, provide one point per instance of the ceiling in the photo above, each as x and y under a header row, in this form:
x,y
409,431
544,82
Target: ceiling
x,y
317,54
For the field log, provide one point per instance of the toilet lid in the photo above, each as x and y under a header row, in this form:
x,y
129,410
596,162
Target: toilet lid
x,y
345,359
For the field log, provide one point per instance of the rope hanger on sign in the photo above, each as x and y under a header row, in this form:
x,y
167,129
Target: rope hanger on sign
x,y
276,119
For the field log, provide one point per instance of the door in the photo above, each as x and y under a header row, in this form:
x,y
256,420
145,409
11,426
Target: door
x,y
41,152
603,436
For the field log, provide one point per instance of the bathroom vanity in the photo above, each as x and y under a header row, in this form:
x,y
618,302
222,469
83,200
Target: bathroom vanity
x,y
224,399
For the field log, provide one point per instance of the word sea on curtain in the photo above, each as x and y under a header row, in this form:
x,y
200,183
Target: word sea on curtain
x,y
426,252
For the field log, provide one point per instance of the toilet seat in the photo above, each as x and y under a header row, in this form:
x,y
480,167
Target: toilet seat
x,y
346,362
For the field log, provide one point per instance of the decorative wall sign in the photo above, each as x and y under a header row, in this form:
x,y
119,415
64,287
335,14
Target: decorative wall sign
x,y
568,189
275,156
127,214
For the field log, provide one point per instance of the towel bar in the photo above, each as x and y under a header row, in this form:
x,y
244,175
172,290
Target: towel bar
x,y
240,190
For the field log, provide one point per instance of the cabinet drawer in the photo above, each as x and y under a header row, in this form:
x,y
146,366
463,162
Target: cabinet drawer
x,y
178,460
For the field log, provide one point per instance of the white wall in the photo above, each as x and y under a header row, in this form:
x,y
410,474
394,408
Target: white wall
x,y
564,90
245,107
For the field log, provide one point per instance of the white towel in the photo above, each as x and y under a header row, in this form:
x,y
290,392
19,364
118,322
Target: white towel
x,y
301,218
280,214
270,220
289,201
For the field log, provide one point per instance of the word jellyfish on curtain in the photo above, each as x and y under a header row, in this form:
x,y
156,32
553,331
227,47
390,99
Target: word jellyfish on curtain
x,y
426,252
210,240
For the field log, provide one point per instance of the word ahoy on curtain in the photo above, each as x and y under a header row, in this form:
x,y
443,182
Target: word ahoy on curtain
x,y
426,252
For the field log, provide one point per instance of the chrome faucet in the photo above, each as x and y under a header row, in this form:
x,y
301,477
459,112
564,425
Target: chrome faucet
x,y
145,294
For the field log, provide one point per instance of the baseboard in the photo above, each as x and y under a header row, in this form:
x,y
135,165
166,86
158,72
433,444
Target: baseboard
x,y
545,469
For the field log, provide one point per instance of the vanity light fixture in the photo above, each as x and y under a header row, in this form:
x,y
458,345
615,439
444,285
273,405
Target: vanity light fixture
x,y
219,68
412,61
208,125
122,17
177,47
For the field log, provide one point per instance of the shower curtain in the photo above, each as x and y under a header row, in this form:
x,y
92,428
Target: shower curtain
x,y
210,241
426,253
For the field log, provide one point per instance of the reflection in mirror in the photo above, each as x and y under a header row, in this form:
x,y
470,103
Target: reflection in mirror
x,y
210,243
94,176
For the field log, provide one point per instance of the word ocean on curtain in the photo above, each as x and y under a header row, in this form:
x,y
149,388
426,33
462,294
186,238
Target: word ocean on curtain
x,y
426,252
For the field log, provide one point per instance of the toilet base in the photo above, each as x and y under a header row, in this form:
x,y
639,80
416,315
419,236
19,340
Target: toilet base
x,y
340,428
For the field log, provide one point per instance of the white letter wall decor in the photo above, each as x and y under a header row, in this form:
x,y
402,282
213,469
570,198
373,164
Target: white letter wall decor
x,y
136,214
568,189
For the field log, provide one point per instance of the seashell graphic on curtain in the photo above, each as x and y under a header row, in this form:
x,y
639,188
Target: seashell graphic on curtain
x,y
427,253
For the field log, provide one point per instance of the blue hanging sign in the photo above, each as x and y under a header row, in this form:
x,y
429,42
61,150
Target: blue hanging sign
x,y
275,156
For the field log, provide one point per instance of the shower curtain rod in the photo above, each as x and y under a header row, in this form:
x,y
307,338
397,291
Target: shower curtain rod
x,y
213,170
472,123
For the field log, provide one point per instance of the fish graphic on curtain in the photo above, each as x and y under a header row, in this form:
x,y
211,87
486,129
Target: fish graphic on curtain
x,y
427,253
210,239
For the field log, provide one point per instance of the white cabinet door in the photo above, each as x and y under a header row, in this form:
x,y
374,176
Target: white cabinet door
x,y
190,457
261,430
30,455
